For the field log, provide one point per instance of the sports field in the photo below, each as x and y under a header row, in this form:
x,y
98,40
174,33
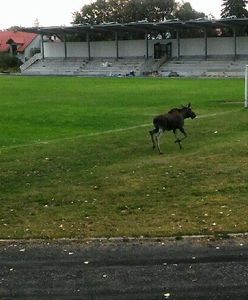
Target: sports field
x,y
76,158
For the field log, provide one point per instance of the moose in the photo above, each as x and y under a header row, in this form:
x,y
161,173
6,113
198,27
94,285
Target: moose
x,y
172,120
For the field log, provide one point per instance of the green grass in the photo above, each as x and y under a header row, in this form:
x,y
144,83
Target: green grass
x,y
65,173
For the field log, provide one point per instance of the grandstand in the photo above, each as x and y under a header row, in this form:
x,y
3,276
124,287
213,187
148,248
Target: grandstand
x,y
218,66
173,56
84,67
100,67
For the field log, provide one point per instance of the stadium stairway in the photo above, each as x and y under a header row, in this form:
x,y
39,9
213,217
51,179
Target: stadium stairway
x,y
211,67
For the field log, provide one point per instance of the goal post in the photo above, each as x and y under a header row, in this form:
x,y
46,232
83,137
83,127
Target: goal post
x,y
246,87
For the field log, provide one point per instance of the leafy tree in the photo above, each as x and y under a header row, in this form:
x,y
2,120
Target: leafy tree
x,y
151,10
14,28
124,11
234,8
186,12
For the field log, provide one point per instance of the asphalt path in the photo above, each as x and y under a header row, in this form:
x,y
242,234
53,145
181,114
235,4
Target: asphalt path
x,y
195,268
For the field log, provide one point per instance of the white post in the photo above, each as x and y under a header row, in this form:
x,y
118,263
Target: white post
x,y
246,88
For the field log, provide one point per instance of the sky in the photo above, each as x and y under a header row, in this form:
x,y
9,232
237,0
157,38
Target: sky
x,y
59,12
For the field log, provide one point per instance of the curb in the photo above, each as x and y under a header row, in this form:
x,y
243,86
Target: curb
x,y
130,239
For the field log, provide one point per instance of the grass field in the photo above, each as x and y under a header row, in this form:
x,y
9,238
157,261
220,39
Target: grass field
x,y
76,158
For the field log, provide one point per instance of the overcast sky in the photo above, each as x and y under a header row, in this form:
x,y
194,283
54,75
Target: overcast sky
x,y
59,12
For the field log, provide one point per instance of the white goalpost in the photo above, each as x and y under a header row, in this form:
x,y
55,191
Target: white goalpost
x,y
246,87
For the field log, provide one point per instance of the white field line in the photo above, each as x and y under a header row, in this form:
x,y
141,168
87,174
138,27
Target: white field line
x,y
96,133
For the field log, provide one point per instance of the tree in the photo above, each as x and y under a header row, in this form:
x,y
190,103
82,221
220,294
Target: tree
x,y
186,12
14,28
151,10
124,11
234,8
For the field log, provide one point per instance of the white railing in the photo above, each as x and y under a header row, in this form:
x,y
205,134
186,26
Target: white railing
x,y
161,61
151,65
31,61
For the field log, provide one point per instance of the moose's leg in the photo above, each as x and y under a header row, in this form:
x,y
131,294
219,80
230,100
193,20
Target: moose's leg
x,y
183,132
152,132
178,141
179,144
157,137
177,138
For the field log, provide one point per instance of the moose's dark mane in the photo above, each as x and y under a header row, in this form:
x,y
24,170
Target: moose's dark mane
x,y
175,110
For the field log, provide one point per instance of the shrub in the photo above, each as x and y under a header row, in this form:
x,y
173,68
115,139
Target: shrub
x,y
8,62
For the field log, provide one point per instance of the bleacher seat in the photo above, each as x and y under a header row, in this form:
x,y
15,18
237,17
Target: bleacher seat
x,y
211,67
223,66
85,67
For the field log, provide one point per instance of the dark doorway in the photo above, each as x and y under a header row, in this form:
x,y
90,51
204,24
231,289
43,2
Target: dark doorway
x,y
161,50
14,49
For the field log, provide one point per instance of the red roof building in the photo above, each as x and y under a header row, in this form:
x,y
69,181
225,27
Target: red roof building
x,y
17,42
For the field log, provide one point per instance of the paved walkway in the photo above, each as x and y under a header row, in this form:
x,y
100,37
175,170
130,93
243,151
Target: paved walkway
x,y
199,268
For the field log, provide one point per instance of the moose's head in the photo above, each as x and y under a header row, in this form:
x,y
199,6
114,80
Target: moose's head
x,y
188,112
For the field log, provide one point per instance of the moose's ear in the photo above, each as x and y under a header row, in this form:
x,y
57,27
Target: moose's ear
x,y
189,105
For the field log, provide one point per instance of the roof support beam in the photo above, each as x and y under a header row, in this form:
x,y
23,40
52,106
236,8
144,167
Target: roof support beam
x,y
205,43
178,45
235,42
65,46
117,45
88,44
146,39
42,46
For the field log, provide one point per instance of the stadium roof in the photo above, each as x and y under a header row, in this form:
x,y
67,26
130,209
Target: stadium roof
x,y
143,26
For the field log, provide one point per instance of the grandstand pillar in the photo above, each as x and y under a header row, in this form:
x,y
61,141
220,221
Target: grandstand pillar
x,y
88,42
42,46
117,45
235,42
65,46
178,45
146,38
206,43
